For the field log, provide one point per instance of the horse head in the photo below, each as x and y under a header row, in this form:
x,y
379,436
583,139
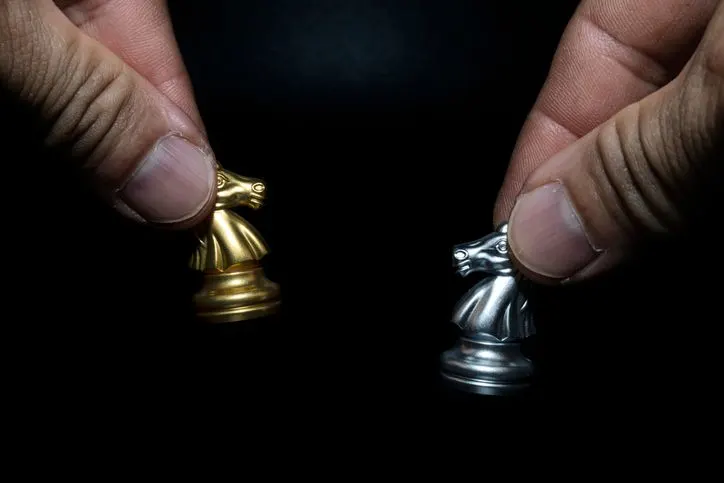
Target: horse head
x,y
234,190
488,254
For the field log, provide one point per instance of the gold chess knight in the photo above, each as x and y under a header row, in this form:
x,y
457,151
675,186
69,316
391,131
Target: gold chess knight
x,y
229,253
494,317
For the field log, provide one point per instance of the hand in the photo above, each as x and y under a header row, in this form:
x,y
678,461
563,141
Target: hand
x,y
624,139
106,82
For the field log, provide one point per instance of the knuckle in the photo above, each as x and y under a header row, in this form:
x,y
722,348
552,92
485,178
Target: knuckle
x,y
95,106
91,106
631,174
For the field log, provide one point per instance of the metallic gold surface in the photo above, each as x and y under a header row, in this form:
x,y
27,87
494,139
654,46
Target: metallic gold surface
x,y
229,254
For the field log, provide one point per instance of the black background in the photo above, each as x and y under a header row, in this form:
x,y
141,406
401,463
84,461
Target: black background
x,y
383,130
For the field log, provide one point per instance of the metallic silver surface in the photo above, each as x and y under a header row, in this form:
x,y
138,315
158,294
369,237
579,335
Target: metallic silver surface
x,y
494,317
486,367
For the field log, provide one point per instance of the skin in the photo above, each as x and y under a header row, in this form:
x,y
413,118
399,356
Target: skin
x,y
106,80
629,121
623,132
140,34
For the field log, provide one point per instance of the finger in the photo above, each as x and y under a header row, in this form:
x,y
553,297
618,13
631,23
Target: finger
x,y
613,53
139,149
635,177
140,33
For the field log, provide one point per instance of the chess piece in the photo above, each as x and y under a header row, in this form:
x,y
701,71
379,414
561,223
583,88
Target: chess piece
x,y
494,317
229,253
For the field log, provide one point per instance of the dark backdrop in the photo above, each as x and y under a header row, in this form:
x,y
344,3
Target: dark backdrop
x,y
383,130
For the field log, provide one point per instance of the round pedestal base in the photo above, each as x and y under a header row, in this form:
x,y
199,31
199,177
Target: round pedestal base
x,y
242,294
487,368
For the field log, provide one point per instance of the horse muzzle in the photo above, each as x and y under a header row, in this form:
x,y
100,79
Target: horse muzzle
x,y
461,261
462,267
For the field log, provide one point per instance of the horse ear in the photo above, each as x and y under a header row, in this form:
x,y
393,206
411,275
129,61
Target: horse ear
x,y
502,228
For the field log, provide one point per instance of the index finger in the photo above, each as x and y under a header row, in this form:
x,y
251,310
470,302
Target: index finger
x,y
141,34
613,53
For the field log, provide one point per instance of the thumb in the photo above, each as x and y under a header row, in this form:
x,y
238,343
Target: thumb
x,y
138,149
638,176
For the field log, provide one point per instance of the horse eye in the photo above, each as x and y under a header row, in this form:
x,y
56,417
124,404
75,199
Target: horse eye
x,y
502,247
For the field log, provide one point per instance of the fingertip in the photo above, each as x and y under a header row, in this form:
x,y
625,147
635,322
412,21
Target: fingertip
x,y
531,275
546,236
174,186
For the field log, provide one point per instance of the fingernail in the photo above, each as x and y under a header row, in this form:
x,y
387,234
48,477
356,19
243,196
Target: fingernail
x,y
174,182
546,235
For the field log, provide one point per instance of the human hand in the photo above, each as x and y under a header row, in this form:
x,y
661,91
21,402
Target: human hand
x,y
105,80
625,137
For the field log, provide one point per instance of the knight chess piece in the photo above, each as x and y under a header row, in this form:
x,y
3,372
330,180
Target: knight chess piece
x,y
494,317
229,255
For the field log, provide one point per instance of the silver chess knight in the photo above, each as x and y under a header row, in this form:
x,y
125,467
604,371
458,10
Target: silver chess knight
x,y
494,318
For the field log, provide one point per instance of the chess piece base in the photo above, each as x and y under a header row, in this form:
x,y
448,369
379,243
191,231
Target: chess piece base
x,y
487,367
238,294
